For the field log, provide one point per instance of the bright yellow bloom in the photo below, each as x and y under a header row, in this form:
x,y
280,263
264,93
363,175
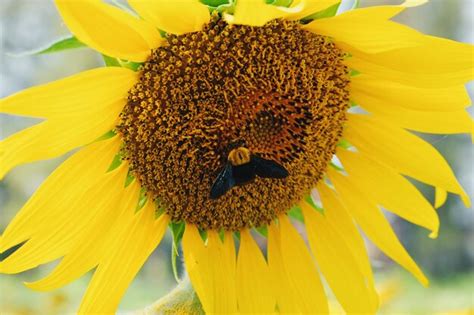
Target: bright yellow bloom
x,y
177,118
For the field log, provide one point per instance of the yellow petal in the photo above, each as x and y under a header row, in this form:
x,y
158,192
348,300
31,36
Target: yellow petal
x,y
286,293
257,12
255,286
402,151
68,184
337,263
58,232
376,93
88,93
108,29
435,63
223,262
211,269
122,260
290,262
197,264
340,219
176,17
50,139
424,121
440,197
414,3
89,248
310,7
389,189
373,223
368,30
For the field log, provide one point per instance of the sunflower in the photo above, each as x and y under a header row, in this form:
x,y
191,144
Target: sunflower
x,y
249,116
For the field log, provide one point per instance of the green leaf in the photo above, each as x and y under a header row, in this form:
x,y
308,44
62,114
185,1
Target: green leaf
x,y
329,12
59,45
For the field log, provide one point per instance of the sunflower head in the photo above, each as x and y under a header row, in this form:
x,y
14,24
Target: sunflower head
x,y
277,90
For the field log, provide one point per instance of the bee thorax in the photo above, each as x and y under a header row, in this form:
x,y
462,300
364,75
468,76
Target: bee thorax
x,y
239,156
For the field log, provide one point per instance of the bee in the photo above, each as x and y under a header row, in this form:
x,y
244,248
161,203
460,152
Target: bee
x,y
241,168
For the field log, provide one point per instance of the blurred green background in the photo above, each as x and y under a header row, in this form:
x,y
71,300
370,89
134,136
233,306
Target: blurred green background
x,y
448,260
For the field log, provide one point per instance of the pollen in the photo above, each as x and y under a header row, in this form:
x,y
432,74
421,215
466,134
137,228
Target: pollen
x,y
277,90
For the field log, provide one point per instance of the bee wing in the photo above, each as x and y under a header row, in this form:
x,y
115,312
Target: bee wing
x,y
268,168
223,183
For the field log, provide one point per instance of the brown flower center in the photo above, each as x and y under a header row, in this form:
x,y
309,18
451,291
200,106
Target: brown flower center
x,y
279,91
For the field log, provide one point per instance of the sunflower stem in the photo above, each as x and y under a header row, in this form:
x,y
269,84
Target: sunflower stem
x,y
181,300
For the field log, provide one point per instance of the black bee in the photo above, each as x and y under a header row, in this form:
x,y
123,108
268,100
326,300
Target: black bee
x,y
241,168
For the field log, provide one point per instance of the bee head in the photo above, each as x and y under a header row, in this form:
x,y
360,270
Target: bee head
x,y
239,156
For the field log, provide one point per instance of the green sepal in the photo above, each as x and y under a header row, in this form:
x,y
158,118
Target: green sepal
x,y
159,208
10,251
262,230
109,134
221,235
131,65
174,264
281,3
296,213
110,61
343,143
115,62
59,45
309,200
354,73
163,34
142,199
336,167
228,8
215,3
203,234
329,12
129,178
237,235
177,231
356,4
115,162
